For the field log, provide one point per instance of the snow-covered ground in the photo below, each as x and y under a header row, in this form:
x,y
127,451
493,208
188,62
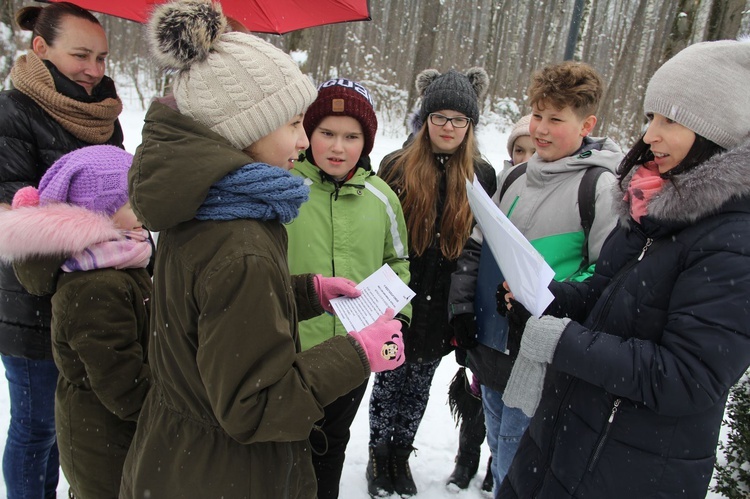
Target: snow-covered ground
x,y
437,438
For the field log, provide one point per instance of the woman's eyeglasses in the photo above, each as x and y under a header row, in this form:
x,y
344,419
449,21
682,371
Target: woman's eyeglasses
x,y
438,119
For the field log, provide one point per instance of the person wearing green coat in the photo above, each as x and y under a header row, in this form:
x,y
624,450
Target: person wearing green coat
x,y
233,398
76,238
351,225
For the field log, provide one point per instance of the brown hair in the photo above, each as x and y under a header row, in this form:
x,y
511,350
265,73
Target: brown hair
x,y
45,21
415,179
569,83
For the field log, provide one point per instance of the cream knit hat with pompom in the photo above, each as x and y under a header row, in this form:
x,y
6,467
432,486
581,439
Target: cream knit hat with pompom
x,y
236,84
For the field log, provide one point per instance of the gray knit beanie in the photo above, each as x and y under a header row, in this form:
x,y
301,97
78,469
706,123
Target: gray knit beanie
x,y
236,84
705,88
451,91
520,129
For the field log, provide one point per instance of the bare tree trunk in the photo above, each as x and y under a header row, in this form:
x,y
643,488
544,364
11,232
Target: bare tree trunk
x,y
725,18
622,72
682,27
425,44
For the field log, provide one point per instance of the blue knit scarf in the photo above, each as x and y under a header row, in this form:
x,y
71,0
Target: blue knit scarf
x,y
257,191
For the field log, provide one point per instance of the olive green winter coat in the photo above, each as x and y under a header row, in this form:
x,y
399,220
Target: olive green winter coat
x,y
100,332
234,400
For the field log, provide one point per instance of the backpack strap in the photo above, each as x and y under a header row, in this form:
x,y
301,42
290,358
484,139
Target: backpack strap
x,y
512,177
586,201
587,206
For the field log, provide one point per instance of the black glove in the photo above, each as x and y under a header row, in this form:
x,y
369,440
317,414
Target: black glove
x,y
517,317
465,330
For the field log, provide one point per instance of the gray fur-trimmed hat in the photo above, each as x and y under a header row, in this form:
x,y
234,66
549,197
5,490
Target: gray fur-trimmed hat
x,y
451,90
236,84
704,88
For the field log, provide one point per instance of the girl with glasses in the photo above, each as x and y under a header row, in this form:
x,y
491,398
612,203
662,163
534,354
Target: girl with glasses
x,y
428,175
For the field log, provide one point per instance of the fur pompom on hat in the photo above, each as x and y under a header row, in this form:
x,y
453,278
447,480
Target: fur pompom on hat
x,y
236,84
520,129
342,97
451,91
93,177
702,88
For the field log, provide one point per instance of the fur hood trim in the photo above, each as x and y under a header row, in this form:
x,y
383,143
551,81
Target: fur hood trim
x,y
51,230
698,192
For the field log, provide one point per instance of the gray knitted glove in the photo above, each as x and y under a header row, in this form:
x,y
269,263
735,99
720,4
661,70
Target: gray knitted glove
x,y
524,388
540,338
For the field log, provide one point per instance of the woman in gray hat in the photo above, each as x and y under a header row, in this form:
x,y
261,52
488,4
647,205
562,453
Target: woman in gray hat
x,y
642,356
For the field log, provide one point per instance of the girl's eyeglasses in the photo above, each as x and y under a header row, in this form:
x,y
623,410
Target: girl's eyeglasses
x,y
438,119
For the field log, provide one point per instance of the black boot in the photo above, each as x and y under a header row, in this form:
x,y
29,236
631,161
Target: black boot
x,y
379,483
488,481
403,483
467,409
462,475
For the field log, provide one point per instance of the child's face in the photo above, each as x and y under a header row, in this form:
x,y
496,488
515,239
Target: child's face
x,y
523,149
669,141
282,146
557,133
337,144
125,219
446,139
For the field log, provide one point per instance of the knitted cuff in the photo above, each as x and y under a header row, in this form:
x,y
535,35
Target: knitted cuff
x,y
312,294
361,352
524,388
540,337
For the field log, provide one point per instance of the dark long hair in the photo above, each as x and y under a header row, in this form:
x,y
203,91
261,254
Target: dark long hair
x,y
46,21
701,150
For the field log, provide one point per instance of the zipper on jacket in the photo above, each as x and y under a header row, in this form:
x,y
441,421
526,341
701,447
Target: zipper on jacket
x,y
604,436
649,241
595,324
617,284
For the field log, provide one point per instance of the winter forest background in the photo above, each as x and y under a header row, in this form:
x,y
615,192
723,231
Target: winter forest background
x,y
625,40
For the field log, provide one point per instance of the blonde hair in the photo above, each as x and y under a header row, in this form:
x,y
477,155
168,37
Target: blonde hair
x,y
416,180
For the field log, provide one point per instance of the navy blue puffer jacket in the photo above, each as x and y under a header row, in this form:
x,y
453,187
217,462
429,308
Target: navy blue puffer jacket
x,y
634,398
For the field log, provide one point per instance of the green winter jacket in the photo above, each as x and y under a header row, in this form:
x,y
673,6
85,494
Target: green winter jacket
x,y
350,231
233,399
100,333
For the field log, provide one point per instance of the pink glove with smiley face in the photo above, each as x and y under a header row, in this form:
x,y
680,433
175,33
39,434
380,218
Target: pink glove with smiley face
x,y
382,342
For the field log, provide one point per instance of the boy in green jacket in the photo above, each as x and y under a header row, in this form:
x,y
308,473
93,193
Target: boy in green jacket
x,y
351,225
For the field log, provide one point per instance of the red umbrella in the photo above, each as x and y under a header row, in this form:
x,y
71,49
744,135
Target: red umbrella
x,y
262,16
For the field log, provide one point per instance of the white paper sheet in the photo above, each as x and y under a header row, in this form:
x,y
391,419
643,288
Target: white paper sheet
x,y
380,290
527,273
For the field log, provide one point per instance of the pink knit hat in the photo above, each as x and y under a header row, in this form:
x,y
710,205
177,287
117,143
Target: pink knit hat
x,y
93,177
520,128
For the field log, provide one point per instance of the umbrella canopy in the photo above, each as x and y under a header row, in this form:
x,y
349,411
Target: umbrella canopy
x,y
262,16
